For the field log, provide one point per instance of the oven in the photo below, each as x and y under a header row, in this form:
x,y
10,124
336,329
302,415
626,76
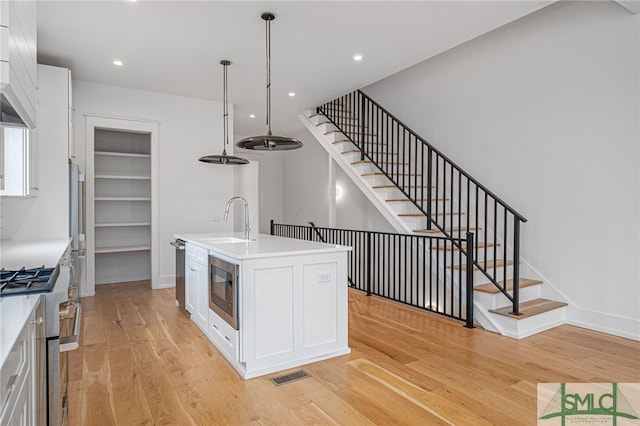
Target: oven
x,y
58,348
223,290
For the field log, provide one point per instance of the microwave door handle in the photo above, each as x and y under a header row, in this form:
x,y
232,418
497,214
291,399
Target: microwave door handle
x,y
70,343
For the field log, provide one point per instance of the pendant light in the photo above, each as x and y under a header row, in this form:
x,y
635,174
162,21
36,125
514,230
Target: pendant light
x,y
269,142
224,158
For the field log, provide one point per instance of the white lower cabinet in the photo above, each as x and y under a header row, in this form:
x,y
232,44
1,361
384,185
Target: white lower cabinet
x,y
17,375
224,336
197,285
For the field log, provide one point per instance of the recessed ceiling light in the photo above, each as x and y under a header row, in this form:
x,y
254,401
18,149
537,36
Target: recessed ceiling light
x,y
292,94
252,116
117,63
357,58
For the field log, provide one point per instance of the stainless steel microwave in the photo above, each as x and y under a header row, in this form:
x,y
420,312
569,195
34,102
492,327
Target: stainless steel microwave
x,y
223,290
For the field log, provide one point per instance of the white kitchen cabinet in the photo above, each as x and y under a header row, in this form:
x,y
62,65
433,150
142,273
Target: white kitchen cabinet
x,y
224,336
197,285
1,159
23,147
293,311
20,148
18,67
18,386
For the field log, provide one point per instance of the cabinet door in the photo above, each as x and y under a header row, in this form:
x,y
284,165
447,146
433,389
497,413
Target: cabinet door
x,y
33,168
1,158
191,285
202,315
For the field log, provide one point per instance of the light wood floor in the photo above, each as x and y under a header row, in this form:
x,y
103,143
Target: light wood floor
x,y
142,362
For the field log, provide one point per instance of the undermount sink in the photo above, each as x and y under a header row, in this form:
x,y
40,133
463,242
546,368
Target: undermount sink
x,y
226,240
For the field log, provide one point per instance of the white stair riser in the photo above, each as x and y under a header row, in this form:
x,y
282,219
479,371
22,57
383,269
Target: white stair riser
x,y
408,207
495,301
338,136
519,329
362,168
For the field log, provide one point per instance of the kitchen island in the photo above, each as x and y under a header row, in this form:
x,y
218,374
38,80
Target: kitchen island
x,y
290,300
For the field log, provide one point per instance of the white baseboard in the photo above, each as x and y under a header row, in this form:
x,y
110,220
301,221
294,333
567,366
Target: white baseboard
x,y
165,281
628,328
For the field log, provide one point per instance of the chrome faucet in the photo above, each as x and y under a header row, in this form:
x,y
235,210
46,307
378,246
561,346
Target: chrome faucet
x,y
246,215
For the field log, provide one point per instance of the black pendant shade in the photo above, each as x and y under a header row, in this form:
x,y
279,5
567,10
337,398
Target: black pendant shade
x,y
223,158
269,142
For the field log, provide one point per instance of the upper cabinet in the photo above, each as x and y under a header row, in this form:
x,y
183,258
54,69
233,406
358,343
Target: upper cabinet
x,y
18,69
20,176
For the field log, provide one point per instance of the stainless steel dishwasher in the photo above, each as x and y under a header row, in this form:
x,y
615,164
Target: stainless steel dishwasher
x,y
180,295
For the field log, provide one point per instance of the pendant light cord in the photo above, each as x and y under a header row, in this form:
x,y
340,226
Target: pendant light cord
x,y
268,49
225,109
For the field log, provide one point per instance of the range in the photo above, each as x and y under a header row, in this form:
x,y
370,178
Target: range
x,y
22,281
58,326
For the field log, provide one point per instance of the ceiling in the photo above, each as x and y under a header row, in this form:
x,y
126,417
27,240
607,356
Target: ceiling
x,y
175,47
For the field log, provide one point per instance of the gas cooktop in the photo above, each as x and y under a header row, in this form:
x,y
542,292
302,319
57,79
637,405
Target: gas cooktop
x,y
25,281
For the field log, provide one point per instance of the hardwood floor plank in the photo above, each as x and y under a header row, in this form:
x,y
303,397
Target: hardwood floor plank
x,y
141,361
131,402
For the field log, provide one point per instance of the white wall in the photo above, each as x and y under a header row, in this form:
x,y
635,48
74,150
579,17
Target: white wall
x,y
190,192
307,180
270,190
45,216
246,184
545,112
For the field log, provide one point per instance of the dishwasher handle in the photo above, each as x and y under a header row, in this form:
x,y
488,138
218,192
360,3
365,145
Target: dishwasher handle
x,y
179,245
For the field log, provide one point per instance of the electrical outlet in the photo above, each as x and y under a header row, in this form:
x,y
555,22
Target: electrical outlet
x,y
324,277
216,217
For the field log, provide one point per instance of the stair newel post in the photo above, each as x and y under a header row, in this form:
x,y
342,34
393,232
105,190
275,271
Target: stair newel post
x,y
470,262
272,227
361,120
429,182
516,266
369,264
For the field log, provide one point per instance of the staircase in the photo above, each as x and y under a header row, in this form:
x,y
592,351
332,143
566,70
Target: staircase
x,y
419,190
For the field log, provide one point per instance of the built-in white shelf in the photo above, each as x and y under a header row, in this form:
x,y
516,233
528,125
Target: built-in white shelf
x,y
127,177
122,225
122,205
122,249
121,154
122,198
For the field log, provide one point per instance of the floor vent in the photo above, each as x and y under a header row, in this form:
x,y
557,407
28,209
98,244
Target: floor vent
x,y
288,378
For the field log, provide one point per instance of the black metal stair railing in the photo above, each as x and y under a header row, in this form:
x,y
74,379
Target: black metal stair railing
x,y
429,179
393,266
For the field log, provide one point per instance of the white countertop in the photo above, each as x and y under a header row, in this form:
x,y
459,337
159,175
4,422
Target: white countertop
x,y
32,253
261,246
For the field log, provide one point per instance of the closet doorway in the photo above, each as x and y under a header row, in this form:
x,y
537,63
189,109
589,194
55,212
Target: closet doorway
x,y
121,201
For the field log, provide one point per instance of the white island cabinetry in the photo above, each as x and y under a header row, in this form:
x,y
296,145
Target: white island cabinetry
x,y
197,285
292,302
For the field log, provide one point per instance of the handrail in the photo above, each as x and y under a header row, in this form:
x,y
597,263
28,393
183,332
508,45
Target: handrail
x,y
399,266
467,175
380,136
313,226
